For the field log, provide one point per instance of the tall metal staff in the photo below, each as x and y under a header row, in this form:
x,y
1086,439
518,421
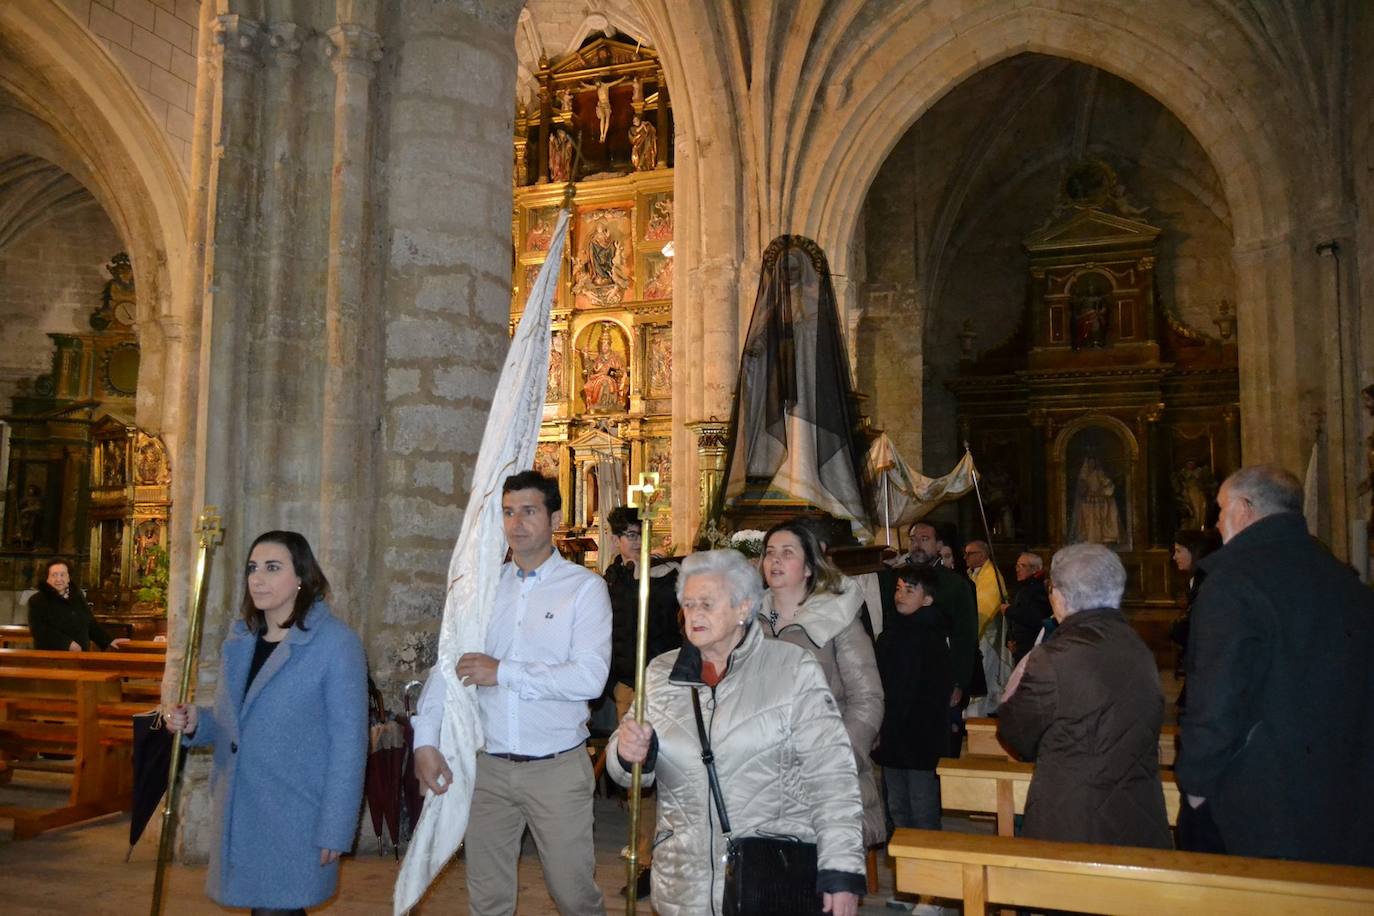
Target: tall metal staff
x,y
211,533
638,497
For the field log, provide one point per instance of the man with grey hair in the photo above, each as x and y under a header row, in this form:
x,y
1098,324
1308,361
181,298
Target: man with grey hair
x,y
1029,607
1086,707
1276,748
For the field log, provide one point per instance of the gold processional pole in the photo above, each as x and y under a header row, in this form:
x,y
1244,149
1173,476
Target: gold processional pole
x,y
639,498
210,534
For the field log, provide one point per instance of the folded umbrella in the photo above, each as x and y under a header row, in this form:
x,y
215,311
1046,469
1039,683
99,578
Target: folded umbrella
x,y
152,756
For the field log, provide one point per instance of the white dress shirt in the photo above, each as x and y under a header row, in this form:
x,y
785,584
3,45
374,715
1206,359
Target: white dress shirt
x,y
550,629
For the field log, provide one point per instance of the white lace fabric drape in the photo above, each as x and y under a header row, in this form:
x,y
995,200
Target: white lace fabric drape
x,y
507,448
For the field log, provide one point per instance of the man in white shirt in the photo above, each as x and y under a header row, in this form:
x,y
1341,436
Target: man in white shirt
x,y
547,653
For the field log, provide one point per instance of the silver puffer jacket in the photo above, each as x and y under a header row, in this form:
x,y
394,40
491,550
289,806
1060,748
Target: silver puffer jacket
x,y
782,756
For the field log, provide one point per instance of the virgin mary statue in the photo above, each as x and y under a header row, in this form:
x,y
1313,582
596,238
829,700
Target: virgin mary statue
x,y
793,422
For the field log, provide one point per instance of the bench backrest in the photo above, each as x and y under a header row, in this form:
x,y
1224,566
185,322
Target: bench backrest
x,y
128,664
996,785
1118,880
982,740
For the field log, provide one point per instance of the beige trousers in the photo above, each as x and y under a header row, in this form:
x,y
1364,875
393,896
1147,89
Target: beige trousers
x,y
554,799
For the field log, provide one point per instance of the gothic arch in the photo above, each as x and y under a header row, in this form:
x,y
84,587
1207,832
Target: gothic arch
x,y
1204,93
53,69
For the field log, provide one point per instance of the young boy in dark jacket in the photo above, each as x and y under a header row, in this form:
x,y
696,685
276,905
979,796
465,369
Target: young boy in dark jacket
x,y
918,676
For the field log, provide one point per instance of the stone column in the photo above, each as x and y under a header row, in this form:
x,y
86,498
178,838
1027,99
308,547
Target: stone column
x,y
711,437
224,294
349,393
282,137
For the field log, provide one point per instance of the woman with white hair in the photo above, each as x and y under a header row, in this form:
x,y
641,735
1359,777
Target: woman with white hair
x,y
1086,707
781,754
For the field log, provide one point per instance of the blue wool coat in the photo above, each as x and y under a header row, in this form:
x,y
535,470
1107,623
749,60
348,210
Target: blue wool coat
x,y
288,763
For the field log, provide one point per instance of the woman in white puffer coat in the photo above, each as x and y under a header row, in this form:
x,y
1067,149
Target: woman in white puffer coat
x,y
781,752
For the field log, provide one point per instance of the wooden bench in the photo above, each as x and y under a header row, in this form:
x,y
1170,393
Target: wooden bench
x,y
141,671
17,637
100,767
996,785
982,741
1118,880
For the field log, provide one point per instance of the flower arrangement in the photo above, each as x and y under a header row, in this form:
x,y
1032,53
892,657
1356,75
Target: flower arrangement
x,y
748,541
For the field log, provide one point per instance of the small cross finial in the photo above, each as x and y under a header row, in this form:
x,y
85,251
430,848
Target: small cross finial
x,y
638,496
209,529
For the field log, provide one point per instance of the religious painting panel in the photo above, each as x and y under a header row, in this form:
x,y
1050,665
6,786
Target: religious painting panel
x,y
530,274
603,350
658,217
659,460
1097,468
658,277
547,458
660,359
603,266
539,223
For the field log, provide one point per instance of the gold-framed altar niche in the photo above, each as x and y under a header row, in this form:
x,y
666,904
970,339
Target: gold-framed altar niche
x,y
645,229
604,107
1102,417
128,510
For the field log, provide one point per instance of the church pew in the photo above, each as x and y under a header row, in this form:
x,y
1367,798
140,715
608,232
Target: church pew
x,y
145,645
998,786
982,740
1118,880
141,671
15,637
101,765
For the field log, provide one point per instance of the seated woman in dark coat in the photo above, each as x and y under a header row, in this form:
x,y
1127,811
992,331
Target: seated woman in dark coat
x,y
59,618
1086,706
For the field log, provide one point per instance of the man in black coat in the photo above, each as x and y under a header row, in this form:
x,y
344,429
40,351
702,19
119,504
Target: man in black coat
x,y
1276,750
1029,607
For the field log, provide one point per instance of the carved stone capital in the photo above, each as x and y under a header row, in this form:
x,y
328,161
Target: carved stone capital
x,y
1151,413
285,39
236,40
354,49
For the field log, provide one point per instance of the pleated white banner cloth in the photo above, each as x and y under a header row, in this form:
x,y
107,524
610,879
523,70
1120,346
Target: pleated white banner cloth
x,y
507,448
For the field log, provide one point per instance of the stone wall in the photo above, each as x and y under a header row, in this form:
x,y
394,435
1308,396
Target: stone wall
x,y
50,280
154,43
353,307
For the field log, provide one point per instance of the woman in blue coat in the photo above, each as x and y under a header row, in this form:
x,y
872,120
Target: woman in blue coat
x,y
289,730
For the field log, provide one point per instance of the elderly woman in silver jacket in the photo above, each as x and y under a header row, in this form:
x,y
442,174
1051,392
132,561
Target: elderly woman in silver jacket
x,y
782,755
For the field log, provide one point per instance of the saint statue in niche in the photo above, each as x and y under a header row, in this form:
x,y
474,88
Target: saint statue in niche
x,y
643,145
1096,518
606,379
554,389
560,156
1089,303
1194,488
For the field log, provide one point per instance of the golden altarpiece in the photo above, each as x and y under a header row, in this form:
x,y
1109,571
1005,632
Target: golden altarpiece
x,y
82,482
601,120
1104,417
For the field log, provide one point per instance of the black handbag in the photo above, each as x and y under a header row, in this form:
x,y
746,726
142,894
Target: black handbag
x,y
764,875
